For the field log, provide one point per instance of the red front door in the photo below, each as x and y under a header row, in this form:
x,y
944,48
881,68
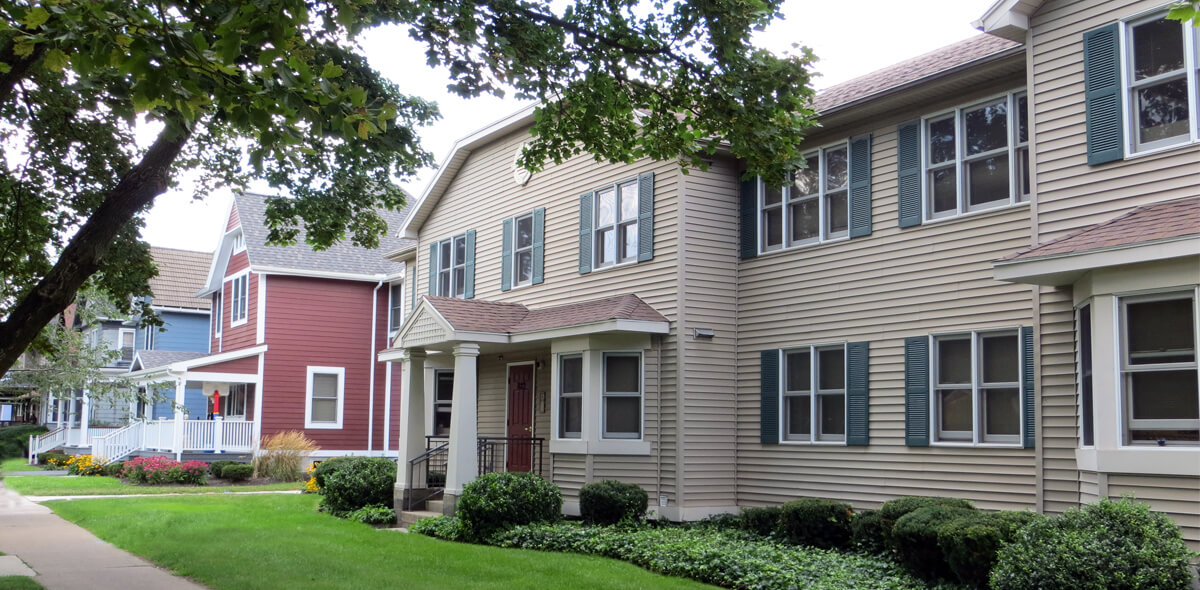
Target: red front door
x,y
520,417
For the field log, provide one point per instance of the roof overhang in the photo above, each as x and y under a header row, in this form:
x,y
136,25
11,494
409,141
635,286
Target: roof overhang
x,y
220,259
454,161
181,369
1065,269
321,274
1008,18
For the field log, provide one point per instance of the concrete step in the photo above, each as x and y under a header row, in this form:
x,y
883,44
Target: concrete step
x,y
410,517
435,506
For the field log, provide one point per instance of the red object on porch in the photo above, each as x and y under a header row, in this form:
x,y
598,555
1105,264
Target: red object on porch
x,y
216,402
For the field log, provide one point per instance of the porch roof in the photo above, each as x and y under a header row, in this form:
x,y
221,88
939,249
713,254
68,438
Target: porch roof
x,y
152,366
153,359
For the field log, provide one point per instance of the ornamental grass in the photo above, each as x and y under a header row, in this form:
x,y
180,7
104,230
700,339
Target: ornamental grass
x,y
282,454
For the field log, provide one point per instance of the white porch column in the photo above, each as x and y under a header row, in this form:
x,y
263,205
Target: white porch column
x,y
62,409
180,390
85,419
412,416
218,427
463,460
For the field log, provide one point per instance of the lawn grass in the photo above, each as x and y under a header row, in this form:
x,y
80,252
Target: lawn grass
x,y
59,485
17,464
19,583
280,541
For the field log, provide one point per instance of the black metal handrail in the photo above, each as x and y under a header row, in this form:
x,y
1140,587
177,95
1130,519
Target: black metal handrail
x,y
424,470
494,452
427,471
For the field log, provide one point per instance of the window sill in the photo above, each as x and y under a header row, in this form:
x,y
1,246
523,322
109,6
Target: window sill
x,y
1182,461
813,443
982,445
632,447
773,251
1160,149
323,426
979,212
615,266
240,322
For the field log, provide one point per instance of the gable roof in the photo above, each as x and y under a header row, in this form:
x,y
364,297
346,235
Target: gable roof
x,y
513,320
180,274
1158,222
152,359
939,62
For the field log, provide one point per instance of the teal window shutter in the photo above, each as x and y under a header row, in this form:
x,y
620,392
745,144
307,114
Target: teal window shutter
x,y
539,244
769,412
858,374
585,232
433,267
908,163
916,391
1102,95
469,269
1028,395
860,186
506,254
749,218
646,217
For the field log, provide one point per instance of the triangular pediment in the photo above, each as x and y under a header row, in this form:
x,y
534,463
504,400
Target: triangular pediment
x,y
424,326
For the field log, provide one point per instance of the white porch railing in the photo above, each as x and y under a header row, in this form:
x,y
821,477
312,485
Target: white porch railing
x,y
159,435
75,436
218,435
115,445
44,442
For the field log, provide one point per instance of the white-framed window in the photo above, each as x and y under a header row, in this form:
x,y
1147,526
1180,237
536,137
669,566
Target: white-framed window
x,y
570,396
233,405
813,208
1086,378
395,306
217,312
443,401
1160,397
622,395
976,387
239,299
522,252
814,394
1160,81
325,397
615,224
976,157
126,337
239,242
452,267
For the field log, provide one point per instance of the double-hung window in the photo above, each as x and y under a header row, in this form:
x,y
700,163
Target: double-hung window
x,y
976,387
977,157
522,255
1161,82
125,343
451,267
813,208
326,395
239,242
814,394
234,404
239,297
217,312
570,396
443,401
395,306
622,396
616,224
1160,398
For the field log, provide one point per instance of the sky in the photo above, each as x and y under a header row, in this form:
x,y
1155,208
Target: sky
x,y
851,40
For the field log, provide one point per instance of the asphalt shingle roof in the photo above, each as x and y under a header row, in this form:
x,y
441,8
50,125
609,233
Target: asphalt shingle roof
x,y
496,317
180,274
1148,223
152,359
343,257
923,66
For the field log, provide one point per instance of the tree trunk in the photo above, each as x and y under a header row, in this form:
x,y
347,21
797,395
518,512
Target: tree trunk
x,y
85,252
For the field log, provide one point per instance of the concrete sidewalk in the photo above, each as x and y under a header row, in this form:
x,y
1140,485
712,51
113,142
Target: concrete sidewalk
x,y
67,557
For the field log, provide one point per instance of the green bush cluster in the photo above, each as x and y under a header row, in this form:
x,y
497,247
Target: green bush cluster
x,y
970,544
715,555
610,501
915,539
114,469
1114,544
447,528
14,440
237,472
215,468
52,460
762,521
867,532
350,483
816,522
375,514
497,501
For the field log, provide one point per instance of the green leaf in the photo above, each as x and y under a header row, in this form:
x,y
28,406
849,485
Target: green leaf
x,y
23,47
5,68
35,17
331,71
56,60
357,95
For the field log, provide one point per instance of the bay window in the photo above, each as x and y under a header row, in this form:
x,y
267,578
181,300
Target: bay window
x,y
570,400
622,395
1159,394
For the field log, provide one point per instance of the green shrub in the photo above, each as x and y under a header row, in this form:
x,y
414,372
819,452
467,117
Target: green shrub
x,y
354,482
237,472
53,460
915,539
497,501
715,555
375,514
970,543
447,528
763,522
893,510
214,468
1114,544
816,522
436,479
14,440
609,502
114,469
867,532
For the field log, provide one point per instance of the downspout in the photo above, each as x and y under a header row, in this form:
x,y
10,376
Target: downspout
x,y
371,399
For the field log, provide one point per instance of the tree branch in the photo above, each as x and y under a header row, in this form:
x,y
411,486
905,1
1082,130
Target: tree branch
x,y
20,68
85,252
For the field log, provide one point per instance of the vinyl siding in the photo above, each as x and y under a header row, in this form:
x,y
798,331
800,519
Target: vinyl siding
x,y
493,397
882,288
1070,196
482,195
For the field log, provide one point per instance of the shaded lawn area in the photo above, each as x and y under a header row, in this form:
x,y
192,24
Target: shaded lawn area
x,y
19,583
17,464
60,485
280,541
